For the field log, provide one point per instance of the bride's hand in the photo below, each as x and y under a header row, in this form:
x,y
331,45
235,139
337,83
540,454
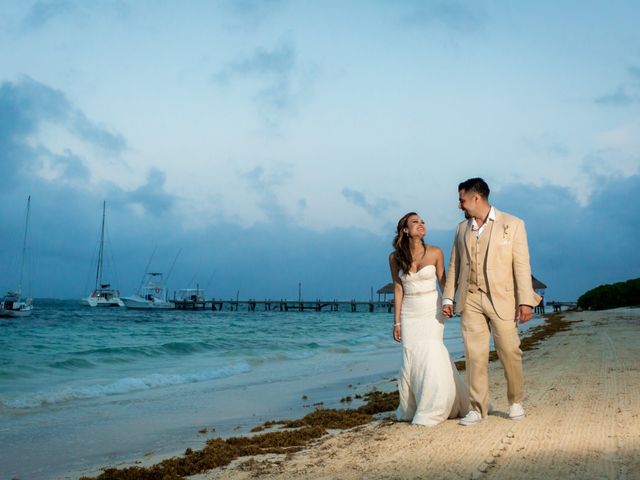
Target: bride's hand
x,y
396,333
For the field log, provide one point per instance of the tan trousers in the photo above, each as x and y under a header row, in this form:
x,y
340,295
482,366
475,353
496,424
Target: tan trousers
x,y
478,319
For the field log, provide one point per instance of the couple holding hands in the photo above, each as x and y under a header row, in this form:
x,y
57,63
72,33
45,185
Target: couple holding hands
x,y
489,271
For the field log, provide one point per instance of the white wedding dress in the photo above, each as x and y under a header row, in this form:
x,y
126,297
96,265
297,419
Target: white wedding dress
x,y
431,388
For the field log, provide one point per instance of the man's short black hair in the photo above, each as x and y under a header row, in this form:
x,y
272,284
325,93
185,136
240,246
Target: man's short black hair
x,y
475,185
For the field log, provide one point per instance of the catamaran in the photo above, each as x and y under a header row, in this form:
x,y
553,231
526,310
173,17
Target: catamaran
x,y
12,305
103,295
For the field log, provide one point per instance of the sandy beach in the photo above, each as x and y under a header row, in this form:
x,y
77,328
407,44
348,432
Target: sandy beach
x,y
582,401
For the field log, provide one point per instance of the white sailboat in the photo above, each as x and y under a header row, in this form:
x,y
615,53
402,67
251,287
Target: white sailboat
x,y
12,305
103,295
152,295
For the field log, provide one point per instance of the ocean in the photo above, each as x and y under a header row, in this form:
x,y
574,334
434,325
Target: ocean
x,y
84,388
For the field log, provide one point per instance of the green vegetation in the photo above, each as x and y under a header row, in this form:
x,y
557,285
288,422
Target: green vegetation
x,y
621,294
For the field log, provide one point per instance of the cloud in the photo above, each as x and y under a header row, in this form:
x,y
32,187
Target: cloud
x,y
65,202
27,104
273,67
450,15
97,135
263,184
24,106
374,208
279,85
152,196
70,165
253,12
41,13
573,247
278,62
619,98
548,145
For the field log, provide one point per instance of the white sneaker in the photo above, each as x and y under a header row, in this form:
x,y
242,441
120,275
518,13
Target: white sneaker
x,y
516,412
472,418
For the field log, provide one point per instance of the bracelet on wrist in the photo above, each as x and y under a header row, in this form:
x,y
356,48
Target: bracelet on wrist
x,y
397,324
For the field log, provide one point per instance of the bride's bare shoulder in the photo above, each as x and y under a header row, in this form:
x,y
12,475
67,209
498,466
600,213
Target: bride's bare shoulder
x,y
436,250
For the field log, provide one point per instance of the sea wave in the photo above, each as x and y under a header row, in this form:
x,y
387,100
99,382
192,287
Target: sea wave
x,y
257,360
72,363
169,348
122,386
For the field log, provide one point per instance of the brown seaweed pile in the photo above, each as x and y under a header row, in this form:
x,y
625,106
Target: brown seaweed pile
x,y
293,435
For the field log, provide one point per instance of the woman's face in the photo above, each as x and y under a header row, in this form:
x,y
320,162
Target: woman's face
x,y
415,227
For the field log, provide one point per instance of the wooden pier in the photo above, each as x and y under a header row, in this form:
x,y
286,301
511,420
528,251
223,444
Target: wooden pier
x,y
557,306
285,305
268,305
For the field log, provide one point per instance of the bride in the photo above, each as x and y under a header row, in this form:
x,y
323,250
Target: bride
x,y
431,389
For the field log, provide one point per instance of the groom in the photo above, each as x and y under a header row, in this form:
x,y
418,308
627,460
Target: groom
x,y
490,272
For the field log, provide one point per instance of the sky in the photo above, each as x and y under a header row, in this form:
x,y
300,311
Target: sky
x,y
250,147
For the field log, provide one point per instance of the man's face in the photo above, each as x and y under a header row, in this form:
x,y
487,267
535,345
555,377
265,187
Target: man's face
x,y
467,202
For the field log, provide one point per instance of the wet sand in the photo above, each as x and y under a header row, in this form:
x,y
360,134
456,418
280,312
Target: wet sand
x,y
583,406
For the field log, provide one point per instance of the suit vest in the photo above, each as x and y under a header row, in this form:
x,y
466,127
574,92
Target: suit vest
x,y
478,246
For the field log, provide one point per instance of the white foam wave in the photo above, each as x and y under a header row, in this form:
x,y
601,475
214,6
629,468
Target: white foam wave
x,y
122,386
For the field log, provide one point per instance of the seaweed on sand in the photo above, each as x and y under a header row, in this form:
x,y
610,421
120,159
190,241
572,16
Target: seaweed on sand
x,y
299,433
217,453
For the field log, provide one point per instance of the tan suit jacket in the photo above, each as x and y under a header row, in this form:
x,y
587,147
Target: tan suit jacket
x,y
507,268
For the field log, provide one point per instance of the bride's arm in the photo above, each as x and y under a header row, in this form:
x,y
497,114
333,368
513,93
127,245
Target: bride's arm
x,y
442,277
398,294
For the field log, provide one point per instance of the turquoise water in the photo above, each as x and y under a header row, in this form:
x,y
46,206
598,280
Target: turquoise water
x,y
65,353
82,387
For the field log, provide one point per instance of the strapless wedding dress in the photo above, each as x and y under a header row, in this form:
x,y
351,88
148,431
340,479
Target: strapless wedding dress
x,y
431,388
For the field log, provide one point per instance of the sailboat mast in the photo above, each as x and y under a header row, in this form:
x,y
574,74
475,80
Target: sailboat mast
x,y
101,251
24,244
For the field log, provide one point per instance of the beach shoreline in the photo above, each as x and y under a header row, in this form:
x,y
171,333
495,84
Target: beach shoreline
x,y
351,391
582,390
147,389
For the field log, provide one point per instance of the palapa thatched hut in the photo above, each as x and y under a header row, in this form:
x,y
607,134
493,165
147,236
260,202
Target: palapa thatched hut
x,y
388,288
538,286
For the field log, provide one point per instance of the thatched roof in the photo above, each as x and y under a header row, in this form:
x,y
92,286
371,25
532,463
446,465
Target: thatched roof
x,y
537,284
388,288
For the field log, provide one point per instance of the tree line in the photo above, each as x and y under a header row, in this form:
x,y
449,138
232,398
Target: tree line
x,y
603,297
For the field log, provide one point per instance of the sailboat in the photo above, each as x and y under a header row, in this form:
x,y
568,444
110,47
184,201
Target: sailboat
x,y
12,305
103,295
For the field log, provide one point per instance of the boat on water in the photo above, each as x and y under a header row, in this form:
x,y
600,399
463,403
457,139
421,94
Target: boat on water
x,y
190,295
102,295
189,299
152,295
13,305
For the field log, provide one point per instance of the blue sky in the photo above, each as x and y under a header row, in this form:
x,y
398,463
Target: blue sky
x,y
277,142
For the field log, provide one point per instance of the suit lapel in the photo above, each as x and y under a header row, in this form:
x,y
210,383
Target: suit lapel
x,y
468,232
495,230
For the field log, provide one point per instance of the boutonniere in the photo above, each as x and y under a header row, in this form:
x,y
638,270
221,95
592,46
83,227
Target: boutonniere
x,y
505,232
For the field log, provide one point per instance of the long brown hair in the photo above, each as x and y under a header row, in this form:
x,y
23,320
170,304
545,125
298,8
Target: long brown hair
x,y
401,244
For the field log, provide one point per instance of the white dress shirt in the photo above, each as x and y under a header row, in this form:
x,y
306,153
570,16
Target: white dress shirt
x,y
478,231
